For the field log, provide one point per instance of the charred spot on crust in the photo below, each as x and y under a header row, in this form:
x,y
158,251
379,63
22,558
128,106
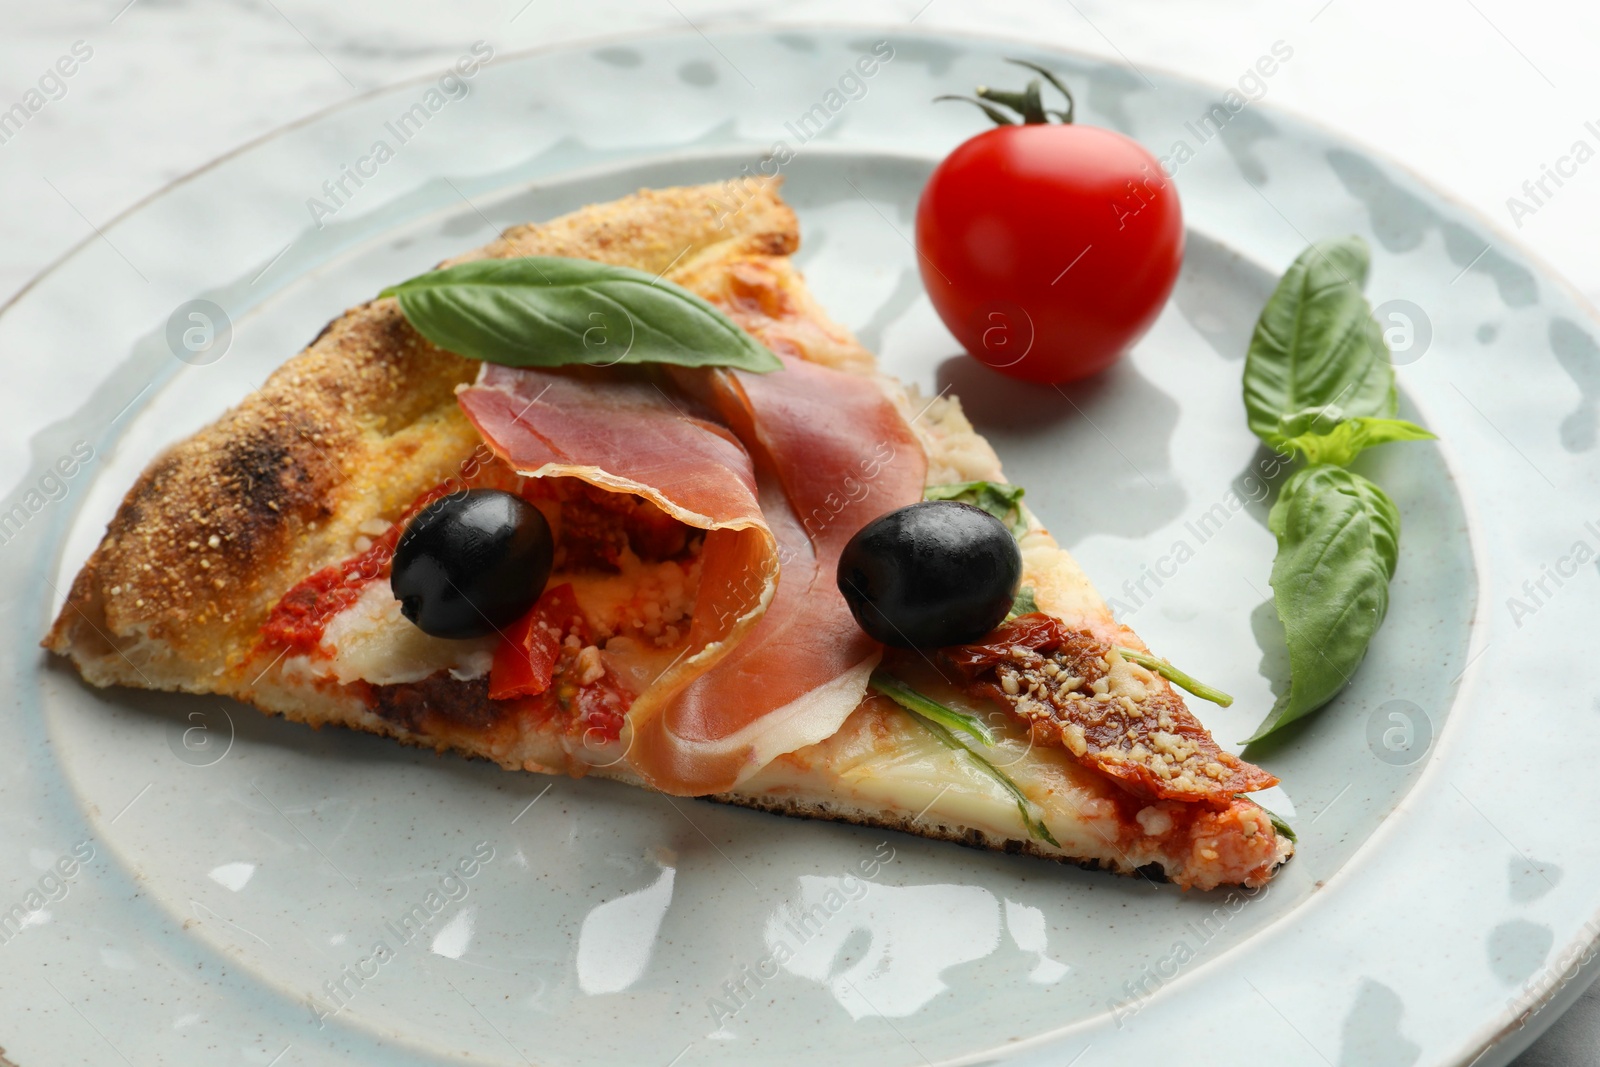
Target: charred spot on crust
x,y
273,474
1153,871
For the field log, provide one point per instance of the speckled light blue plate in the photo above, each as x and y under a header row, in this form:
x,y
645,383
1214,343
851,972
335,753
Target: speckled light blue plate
x,y
183,880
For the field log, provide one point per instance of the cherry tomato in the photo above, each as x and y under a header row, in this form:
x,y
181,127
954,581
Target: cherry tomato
x,y
1048,248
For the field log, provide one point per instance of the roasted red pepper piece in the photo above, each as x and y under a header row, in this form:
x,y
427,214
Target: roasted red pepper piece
x,y
526,658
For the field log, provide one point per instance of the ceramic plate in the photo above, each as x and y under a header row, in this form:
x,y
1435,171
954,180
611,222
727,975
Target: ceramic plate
x,y
183,880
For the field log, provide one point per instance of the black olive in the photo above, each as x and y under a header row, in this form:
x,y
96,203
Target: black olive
x,y
931,574
471,563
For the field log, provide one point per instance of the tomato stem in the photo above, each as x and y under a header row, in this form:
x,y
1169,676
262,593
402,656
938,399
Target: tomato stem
x,y
1028,104
999,117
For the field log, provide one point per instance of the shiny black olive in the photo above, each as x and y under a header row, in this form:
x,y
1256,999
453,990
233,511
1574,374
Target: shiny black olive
x,y
471,563
930,574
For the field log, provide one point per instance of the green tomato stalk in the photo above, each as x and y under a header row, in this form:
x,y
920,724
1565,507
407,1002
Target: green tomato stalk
x,y
1028,104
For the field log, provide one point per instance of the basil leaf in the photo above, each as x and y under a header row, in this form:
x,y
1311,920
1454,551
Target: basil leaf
x,y
912,700
549,311
1310,420
1338,542
1023,603
1175,676
1316,343
1002,500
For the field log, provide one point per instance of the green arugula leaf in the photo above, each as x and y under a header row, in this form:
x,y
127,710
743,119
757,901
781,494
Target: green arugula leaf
x,y
1346,439
549,311
934,717
1282,827
1277,823
1023,603
1338,542
1000,499
1175,676
912,700
1316,343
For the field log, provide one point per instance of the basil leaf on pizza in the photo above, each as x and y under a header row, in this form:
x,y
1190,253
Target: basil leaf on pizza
x,y
1000,499
552,311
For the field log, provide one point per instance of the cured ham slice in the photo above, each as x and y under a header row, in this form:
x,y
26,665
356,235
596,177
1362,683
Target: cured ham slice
x,y
833,453
627,434
801,459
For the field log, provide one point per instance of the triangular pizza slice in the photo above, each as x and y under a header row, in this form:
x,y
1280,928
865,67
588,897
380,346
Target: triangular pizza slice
x,y
691,638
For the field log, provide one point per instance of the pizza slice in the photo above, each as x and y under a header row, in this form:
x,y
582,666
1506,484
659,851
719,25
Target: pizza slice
x,y
691,637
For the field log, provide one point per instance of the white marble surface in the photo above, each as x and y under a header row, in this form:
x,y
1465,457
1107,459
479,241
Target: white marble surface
x,y
1477,96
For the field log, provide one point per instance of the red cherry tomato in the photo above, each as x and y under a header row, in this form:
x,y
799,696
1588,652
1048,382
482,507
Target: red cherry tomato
x,y
1048,249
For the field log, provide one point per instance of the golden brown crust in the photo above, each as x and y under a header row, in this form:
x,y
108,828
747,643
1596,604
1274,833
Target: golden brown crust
x,y
218,527
221,524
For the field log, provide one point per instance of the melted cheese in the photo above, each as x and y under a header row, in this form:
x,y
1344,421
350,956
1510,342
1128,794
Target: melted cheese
x,y
884,760
370,641
640,616
649,602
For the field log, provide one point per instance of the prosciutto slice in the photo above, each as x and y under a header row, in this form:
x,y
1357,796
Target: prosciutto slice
x,y
781,470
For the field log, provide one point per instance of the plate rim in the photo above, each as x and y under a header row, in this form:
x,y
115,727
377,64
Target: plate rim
x,y
1509,1023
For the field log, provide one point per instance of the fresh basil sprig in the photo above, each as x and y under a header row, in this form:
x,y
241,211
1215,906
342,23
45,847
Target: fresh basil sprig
x,y
1318,385
1002,500
550,311
937,720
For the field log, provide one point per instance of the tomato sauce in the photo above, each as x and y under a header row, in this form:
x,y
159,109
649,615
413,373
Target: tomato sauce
x,y
298,620
535,664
